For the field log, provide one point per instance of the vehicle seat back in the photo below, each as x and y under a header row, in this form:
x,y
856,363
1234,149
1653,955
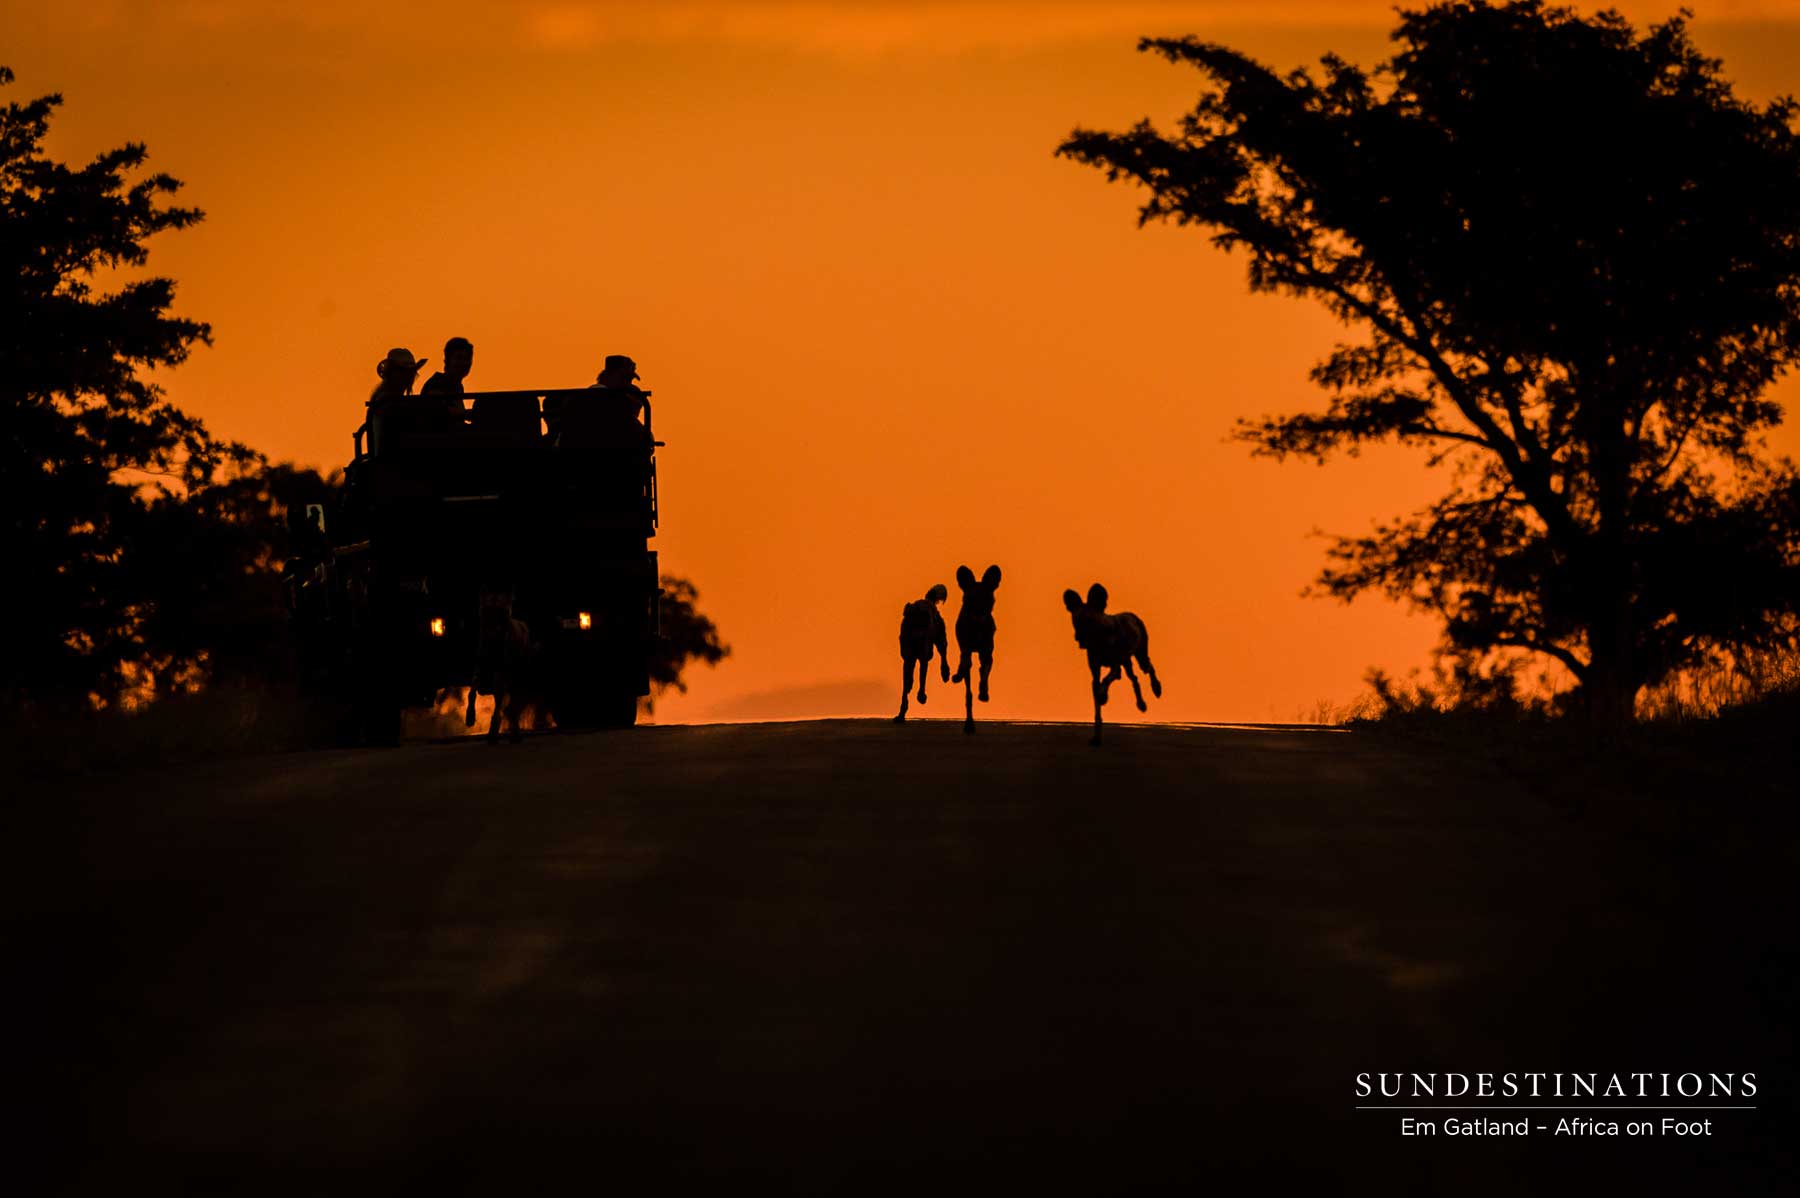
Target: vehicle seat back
x,y
513,417
395,423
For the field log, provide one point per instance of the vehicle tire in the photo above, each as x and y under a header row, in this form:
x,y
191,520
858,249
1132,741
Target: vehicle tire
x,y
375,694
331,721
619,711
333,708
378,722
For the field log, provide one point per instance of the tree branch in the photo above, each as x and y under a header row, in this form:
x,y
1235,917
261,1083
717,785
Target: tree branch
x,y
1535,485
1576,665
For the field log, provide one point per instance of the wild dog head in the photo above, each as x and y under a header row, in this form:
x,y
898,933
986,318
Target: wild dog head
x,y
920,619
1085,614
978,595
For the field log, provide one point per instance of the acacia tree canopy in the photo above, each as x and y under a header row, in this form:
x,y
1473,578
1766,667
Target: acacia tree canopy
x,y
1573,256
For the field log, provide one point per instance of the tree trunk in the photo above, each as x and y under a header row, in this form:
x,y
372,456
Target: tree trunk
x,y
1610,686
1610,698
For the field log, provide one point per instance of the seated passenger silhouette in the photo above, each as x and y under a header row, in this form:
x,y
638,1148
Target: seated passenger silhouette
x,y
397,372
391,404
620,374
459,359
609,413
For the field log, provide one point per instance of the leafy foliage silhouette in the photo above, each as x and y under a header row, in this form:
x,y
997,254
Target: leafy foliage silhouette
x,y
94,452
1575,255
688,636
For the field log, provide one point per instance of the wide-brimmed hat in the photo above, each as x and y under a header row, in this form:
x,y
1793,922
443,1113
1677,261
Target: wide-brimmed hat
x,y
616,361
399,361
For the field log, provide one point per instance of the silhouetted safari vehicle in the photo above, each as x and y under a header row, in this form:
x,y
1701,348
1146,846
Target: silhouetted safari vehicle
x,y
434,512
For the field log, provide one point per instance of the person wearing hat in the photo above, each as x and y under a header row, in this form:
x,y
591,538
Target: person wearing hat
x,y
618,378
619,371
619,396
397,373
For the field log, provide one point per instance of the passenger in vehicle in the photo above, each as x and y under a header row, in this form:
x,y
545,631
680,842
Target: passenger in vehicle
x,y
619,377
391,406
446,386
613,413
397,372
459,359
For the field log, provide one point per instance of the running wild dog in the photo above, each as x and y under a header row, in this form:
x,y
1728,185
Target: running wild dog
x,y
975,633
503,652
922,630
1111,643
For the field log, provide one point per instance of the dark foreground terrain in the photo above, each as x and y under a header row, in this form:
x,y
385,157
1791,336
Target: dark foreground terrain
x,y
847,956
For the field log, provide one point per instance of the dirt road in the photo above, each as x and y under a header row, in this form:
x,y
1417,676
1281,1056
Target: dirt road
x,y
846,956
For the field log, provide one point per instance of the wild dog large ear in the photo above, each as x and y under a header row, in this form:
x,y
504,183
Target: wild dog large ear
x,y
965,577
938,593
990,578
1071,600
1097,597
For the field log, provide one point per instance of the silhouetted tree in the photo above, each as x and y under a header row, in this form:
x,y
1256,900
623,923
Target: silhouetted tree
x,y
1575,255
90,446
210,566
688,635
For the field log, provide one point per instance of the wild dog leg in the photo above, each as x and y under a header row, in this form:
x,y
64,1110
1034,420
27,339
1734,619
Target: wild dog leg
x,y
924,673
965,673
987,665
1106,680
905,687
1136,690
1099,698
1143,657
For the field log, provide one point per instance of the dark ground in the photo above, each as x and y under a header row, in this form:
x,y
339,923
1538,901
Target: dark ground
x,y
848,956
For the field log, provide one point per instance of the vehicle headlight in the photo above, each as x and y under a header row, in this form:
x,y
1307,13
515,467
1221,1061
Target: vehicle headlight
x,y
437,626
584,620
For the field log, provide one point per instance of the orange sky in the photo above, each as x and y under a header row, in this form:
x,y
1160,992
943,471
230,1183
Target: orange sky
x,y
887,330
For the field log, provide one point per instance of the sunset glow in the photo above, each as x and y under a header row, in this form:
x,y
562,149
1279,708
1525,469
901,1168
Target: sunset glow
x,y
888,332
